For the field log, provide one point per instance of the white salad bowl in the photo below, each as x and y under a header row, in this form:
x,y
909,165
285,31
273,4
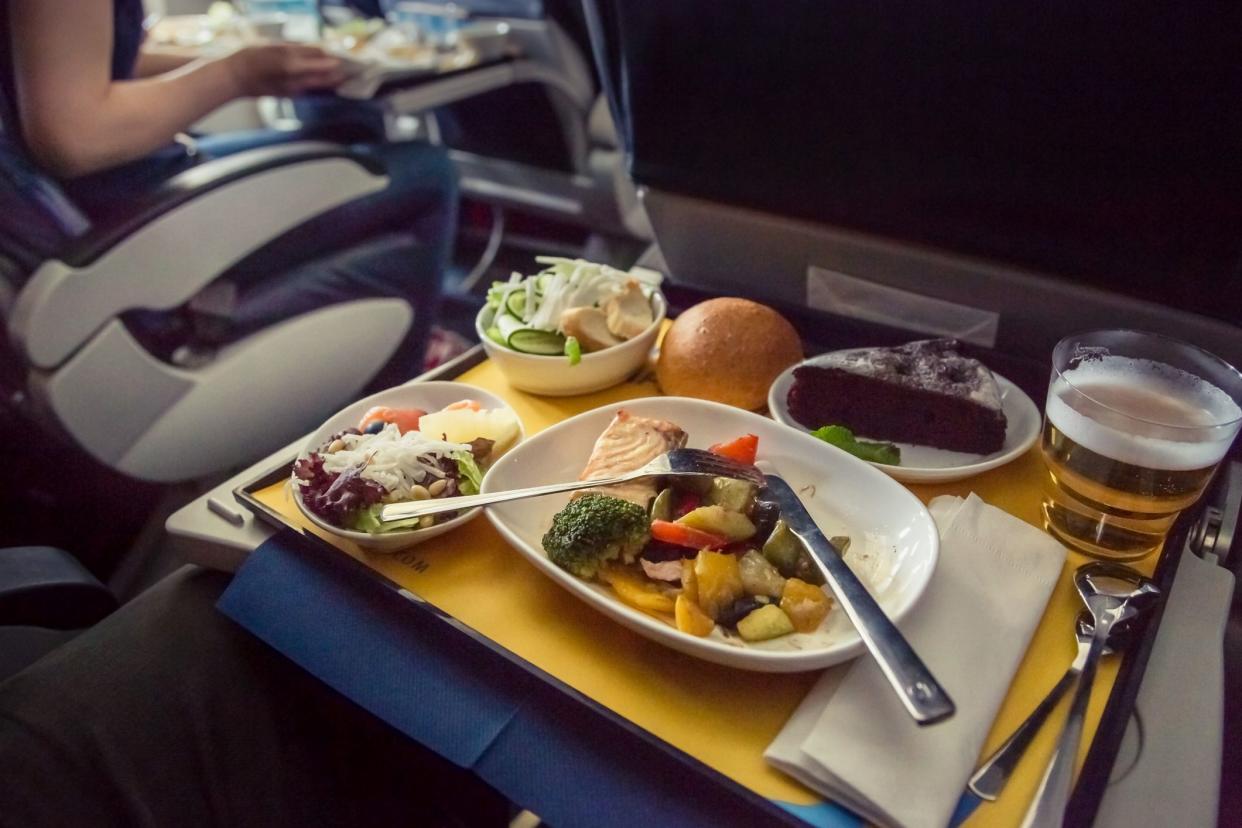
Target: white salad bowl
x,y
555,377
894,542
429,396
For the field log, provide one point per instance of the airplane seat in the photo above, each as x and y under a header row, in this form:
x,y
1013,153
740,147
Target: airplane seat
x,y
46,598
578,178
993,173
83,373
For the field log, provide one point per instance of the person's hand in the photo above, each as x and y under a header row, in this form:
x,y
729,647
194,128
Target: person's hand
x,y
284,69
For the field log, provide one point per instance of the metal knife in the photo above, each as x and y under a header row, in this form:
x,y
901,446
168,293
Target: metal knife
x,y
917,688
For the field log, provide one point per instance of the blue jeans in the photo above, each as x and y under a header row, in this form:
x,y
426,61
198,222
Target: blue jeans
x,y
396,242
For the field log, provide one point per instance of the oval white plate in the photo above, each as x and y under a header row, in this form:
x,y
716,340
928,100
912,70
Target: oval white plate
x,y
894,548
429,396
924,464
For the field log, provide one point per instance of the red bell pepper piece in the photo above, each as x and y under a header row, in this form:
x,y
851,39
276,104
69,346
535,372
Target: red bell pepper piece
x,y
681,535
743,449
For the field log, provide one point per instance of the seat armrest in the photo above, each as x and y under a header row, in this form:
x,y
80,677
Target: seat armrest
x,y
197,182
178,241
42,586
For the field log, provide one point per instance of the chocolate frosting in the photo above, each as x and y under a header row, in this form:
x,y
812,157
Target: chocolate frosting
x,y
929,364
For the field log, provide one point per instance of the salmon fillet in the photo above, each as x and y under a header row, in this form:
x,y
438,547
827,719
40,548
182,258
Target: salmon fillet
x,y
629,443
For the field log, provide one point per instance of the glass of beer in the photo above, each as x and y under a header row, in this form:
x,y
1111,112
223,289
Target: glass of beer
x,y
1134,427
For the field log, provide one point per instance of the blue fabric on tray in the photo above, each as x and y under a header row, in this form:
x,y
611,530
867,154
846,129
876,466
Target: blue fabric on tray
x,y
539,743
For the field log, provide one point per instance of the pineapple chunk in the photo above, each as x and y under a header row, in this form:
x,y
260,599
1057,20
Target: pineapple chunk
x,y
461,425
806,604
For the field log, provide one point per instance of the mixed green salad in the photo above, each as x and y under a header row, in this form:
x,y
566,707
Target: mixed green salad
x,y
396,455
569,308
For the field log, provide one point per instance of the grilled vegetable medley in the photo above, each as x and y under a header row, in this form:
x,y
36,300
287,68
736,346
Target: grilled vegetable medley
x,y
709,556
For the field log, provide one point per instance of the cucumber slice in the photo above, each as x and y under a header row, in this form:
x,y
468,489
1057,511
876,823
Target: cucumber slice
x,y
530,340
516,303
534,341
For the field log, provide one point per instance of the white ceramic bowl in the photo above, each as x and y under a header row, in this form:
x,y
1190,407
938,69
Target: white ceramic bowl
x,y
894,543
429,396
555,377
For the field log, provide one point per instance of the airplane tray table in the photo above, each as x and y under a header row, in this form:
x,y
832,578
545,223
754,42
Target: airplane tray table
x,y
464,646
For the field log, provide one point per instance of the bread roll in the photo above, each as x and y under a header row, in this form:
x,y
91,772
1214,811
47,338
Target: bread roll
x,y
728,350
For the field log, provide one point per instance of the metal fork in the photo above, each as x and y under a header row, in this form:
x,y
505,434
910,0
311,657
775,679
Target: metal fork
x,y
675,463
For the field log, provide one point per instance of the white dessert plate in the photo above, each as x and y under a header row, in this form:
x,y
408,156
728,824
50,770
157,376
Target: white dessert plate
x,y
924,464
894,543
429,396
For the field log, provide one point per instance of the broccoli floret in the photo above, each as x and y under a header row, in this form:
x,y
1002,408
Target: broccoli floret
x,y
593,529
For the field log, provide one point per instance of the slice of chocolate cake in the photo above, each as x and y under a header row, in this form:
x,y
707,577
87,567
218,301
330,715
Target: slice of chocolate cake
x,y
924,393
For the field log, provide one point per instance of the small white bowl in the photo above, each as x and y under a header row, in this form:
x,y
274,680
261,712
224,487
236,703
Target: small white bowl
x,y
555,377
429,396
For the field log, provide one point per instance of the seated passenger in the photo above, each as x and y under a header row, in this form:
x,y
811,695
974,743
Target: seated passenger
x,y
83,100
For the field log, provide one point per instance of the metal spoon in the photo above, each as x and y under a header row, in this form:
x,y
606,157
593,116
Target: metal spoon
x,y
989,780
1113,594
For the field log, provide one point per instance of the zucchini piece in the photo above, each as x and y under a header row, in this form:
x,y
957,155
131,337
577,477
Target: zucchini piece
x,y
662,506
785,552
734,495
769,621
759,577
719,521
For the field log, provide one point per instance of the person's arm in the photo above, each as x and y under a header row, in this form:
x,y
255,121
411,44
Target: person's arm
x,y
77,120
157,60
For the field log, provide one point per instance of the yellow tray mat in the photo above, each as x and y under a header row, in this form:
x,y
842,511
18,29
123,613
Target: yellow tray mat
x,y
723,717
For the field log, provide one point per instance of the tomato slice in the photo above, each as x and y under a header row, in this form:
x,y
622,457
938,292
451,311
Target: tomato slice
x,y
743,449
681,535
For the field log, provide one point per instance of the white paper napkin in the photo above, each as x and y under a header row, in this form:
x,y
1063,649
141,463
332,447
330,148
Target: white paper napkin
x,y
852,740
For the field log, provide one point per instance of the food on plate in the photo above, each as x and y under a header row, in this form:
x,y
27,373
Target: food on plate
x,y
595,529
844,439
925,393
628,443
405,419
462,425
353,35
728,350
571,307
398,455
708,557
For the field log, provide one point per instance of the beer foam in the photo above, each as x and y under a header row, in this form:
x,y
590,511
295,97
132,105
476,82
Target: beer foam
x,y
1195,443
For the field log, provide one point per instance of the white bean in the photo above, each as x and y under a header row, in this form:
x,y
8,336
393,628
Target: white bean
x,y
437,488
